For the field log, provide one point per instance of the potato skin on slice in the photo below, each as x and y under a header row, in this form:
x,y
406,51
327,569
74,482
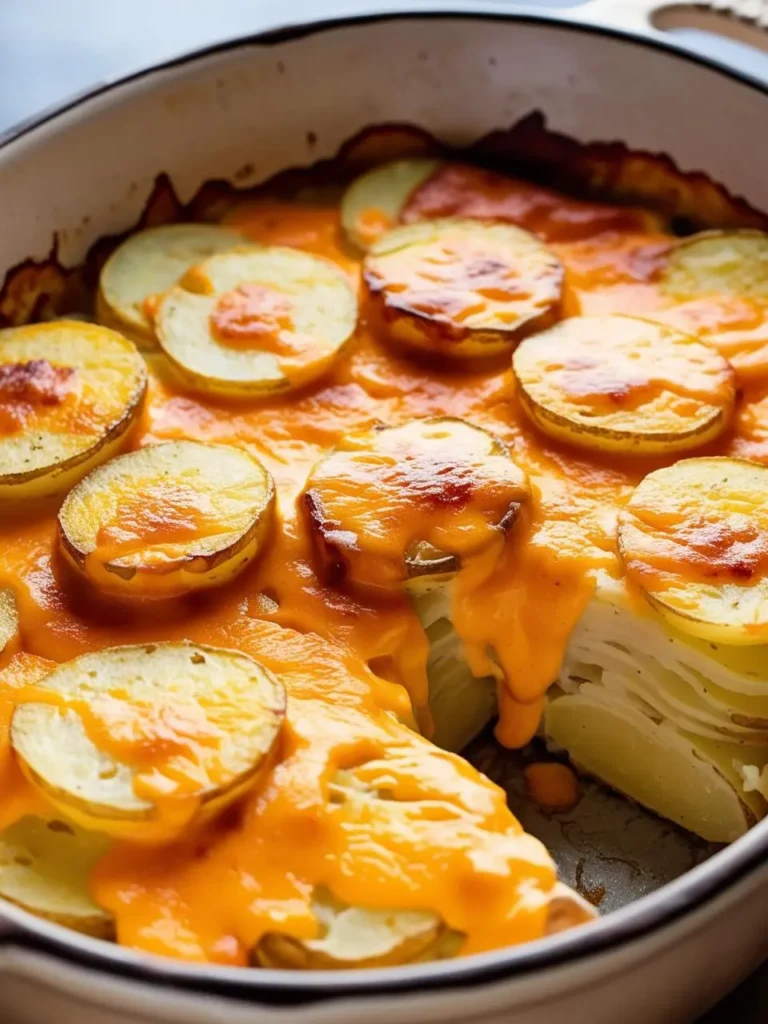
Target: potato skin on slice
x,y
256,321
624,384
383,506
139,742
146,265
372,203
460,288
70,393
694,538
44,868
167,519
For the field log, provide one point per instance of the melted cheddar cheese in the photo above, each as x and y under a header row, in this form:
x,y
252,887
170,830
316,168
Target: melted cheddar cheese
x,y
447,841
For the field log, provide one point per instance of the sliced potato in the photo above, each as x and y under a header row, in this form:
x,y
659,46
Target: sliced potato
x,y
146,265
686,779
406,505
140,741
694,538
461,288
44,868
358,937
619,383
168,519
69,395
9,621
732,263
256,320
354,937
372,203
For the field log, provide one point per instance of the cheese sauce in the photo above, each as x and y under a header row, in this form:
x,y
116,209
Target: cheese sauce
x,y
445,841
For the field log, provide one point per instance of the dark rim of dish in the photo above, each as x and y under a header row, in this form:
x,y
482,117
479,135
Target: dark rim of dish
x,y
664,907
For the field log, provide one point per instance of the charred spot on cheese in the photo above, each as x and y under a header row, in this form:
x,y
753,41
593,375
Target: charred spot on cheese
x,y
70,393
460,288
45,867
257,320
140,742
694,538
371,205
619,383
168,519
406,506
146,265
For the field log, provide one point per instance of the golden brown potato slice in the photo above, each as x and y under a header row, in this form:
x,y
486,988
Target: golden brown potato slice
x,y
44,868
256,320
405,506
140,741
168,519
372,203
732,263
619,383
69,394
694,538
146,265
461,288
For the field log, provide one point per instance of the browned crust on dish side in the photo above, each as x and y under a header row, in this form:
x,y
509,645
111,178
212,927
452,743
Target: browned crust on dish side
x,y
34,290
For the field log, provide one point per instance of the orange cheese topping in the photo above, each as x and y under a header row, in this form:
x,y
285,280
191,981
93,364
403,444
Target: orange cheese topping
x,y
552,786
32,393
447,840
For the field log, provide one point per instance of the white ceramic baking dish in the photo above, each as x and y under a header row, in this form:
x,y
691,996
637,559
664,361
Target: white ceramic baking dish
x,y
242,111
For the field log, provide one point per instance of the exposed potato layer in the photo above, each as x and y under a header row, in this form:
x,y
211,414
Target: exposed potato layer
x,y
139,741
406,505
45,867
694,538
69,394
618,383
461,288
372,203
146,265
9,621
256,320
168,519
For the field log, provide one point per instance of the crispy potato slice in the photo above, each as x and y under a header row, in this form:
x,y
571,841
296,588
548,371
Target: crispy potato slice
x,y
404,506
256,320
461,288
694,538
372,203
168,519
619,383
146,265
44,868
732,263
140,741
69,394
